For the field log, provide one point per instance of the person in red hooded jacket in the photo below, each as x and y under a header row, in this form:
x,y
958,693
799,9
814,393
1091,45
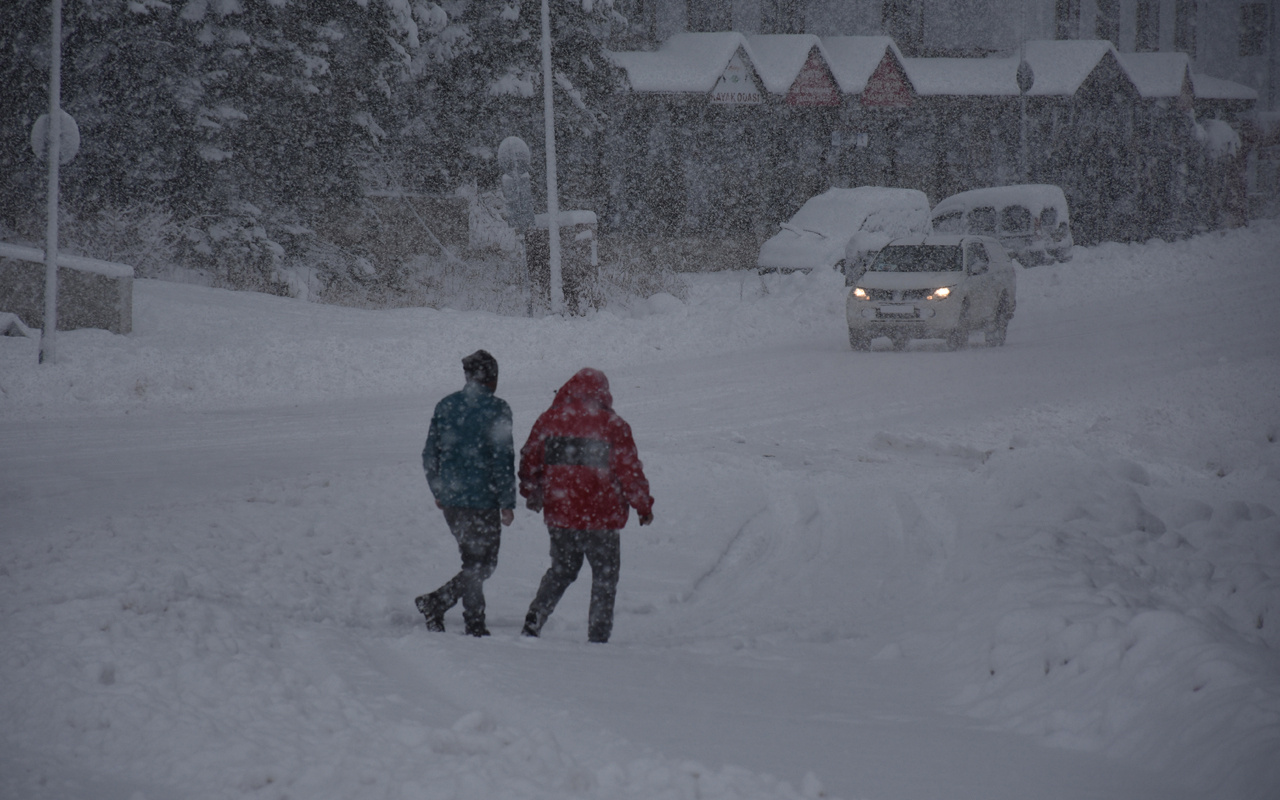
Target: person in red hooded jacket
x,y
581,470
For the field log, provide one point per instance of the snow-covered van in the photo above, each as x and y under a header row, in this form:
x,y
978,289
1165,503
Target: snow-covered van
x,y
844,229
1031,220
934,287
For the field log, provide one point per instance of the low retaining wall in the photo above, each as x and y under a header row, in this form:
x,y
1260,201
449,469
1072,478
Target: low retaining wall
x,y
91,293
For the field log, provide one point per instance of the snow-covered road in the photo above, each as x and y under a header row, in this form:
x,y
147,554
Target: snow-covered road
x,y
1050,569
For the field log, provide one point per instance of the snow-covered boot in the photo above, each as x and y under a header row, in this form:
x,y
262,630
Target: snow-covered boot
x,y
532,624
430,608
475,624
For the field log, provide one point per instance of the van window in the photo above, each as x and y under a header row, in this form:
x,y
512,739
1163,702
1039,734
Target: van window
x,y
952,222
982,221
1015,219
1048,219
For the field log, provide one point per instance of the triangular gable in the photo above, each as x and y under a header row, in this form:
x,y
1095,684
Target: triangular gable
x,y
888,86
1061,67
852,59
814,85
779,57
1159,75
738,84
1105,78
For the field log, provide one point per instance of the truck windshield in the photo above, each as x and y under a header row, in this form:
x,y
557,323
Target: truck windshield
x,y
919,258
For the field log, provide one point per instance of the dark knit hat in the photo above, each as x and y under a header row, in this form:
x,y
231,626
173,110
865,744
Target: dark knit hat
x,y
480,367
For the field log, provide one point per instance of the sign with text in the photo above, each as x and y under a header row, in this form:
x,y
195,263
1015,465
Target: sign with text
x,y
814,86
737,86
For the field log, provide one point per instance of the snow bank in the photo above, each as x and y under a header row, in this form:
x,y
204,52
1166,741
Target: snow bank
x,y
1076,537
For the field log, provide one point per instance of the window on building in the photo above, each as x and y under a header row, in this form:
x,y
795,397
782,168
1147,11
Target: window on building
x,y
903,20
709,15
1147,30
1184,26
1066,19
781,16
1253,29
1107,24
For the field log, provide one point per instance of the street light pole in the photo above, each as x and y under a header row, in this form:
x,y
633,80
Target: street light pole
x,y
48,332
1025,78
553,200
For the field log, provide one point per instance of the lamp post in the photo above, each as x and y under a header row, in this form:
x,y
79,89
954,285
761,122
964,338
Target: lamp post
x,y
48,332
1025,78
553,200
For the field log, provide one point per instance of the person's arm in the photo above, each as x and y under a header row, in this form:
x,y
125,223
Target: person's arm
x,y
503,468
431,459
629,471
532,467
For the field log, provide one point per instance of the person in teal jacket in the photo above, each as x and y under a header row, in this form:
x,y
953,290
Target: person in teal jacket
x,y
469,460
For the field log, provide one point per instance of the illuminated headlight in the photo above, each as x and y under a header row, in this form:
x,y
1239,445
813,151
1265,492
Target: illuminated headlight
x,y
940,294
861,293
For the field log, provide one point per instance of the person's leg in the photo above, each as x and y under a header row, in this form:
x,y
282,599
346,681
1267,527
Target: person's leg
x,y
566,561
479,538
604,553
479,534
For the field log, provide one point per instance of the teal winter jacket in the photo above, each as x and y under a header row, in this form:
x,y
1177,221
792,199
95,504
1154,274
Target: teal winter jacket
x,y
469,456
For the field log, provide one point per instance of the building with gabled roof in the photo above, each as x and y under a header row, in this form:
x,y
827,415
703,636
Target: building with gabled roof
x,y
740,129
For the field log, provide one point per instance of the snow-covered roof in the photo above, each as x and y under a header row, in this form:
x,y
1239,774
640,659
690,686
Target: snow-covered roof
x,y
778,58
1156,74
694,62
853,59
109,268
1208,88
1035,196
1061,67
687,62
963,76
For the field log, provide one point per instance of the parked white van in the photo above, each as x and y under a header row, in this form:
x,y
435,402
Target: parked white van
x,y
1031,220
844,229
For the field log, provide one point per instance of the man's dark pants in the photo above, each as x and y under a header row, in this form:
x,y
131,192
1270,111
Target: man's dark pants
x,y
479,533
601,549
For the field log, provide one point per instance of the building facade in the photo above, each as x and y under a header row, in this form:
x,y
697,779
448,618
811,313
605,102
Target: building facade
x,y
1235,40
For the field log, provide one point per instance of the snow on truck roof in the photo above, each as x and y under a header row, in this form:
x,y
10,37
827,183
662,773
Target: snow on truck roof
x,y
1035,196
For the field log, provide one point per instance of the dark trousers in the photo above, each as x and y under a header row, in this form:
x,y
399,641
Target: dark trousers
x,y
568,548
479,533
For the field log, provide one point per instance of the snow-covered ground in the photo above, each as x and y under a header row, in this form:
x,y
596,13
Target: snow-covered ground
x,y
1046,570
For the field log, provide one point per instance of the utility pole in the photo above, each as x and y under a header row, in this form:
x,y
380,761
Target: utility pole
x,y
48,332
553,199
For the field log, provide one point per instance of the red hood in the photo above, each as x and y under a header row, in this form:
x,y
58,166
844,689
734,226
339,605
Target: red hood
x,y
587,388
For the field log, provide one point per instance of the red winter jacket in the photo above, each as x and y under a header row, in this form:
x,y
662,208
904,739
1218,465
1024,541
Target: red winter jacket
x,y
580,464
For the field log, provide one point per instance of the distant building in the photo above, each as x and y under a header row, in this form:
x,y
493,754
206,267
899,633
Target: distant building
x,y
1229,39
